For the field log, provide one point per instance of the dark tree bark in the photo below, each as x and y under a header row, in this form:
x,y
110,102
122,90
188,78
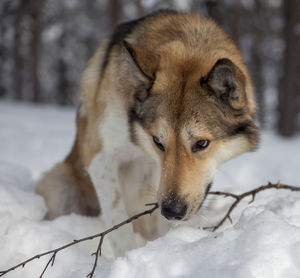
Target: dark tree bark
x,y
35,14
257,58
115,12
3,48
140,8
288,92
17,56
236,26
63,91
214,10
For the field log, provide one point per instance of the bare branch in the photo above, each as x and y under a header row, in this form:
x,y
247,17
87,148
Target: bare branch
x,y
76,241
240,197
96,254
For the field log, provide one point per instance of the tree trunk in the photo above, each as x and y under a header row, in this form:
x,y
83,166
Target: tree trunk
x,y
35,13
140,8
288,92
17,57
115,11
63,90
3,58
214,10
257,66
236,26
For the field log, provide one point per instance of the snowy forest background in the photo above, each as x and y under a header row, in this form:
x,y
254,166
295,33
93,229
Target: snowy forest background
x,y
45,45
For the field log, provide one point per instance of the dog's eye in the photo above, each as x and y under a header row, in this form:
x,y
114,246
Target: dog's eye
x,y
200,145
158,144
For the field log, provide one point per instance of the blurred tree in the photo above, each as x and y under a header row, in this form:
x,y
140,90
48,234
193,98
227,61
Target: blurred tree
x,y
20,13
115,11
63,88
215,10
236,24
36,29
141,11
257,59
288,91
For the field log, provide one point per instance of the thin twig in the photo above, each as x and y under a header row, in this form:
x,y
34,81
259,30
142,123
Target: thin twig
x,y
239,197
98,252
52,259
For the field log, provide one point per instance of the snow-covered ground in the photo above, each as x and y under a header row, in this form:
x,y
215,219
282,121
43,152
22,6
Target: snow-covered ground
x,y
264,240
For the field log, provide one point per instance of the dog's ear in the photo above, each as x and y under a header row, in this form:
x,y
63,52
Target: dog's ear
x,y
146,60
227,82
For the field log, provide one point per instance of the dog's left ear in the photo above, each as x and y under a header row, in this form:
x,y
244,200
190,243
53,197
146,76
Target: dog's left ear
x,y
146,60
227,82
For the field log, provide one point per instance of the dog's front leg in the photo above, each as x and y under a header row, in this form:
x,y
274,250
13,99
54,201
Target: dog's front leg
x,y
104,172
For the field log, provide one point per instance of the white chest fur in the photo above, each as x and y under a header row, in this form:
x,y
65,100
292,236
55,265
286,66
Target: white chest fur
x,y
117,149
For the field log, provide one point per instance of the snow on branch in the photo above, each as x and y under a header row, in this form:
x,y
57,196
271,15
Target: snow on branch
x,y
101,235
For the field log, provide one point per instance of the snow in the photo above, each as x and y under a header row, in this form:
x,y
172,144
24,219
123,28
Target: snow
x,y
264,240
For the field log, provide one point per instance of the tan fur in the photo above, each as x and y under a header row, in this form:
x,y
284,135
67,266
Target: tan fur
x,y
188,49
92,104
71,179
160,79
64,192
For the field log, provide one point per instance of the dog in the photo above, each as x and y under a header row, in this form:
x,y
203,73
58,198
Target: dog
x,y
165,100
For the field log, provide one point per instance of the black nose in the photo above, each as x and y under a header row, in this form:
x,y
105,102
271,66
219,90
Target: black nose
x,y
174,209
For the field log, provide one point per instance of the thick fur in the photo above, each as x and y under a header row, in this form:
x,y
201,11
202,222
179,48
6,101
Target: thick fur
x,y
171,75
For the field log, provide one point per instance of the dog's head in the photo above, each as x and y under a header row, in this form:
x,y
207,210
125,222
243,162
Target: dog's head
x,y
191,119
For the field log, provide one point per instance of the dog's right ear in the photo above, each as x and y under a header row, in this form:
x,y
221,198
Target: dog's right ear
x,y
227,82
147,61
